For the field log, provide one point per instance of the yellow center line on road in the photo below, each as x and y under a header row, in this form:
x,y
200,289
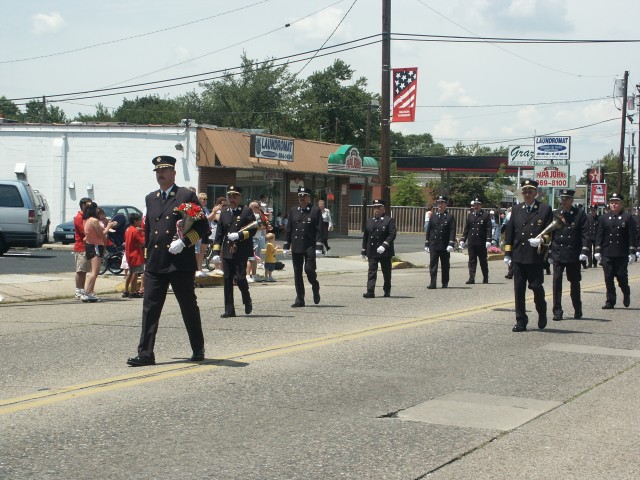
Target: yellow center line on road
x,y
155,374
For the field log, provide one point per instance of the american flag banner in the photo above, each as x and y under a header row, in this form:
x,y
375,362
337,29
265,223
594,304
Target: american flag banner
x,y
405,86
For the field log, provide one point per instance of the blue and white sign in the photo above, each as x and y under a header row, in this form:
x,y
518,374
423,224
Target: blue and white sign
x,y
273,148
552,148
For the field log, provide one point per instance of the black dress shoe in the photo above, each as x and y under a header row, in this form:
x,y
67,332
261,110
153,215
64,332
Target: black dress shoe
x,y
607,306
542,321
297,304
228,314
431,287
140,361
508,276
626,301
369,295
248,307
471,281
485,280
387,293
578,314
556,318
316,297
518,327
445,285
197,356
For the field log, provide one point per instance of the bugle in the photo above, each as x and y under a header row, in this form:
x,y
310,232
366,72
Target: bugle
x,y
558,223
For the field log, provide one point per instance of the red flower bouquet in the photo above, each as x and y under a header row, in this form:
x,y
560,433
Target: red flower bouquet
x,y
189,214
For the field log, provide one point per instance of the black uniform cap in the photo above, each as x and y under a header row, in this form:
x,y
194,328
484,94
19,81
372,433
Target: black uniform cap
x,y
304,191
528,184
616,196
442,198
234,189
567,193
378,203
163,161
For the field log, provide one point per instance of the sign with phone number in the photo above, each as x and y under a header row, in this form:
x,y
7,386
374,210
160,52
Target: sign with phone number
x,y
552,177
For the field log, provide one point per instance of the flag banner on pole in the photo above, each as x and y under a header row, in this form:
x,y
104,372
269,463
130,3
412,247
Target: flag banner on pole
x,y
405,87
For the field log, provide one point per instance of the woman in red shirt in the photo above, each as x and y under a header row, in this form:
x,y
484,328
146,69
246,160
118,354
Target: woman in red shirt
x,y
95,237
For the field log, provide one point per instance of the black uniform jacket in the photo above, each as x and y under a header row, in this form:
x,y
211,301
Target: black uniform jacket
x,y
477,230
232,221
568,243
616,235
636,218
379,231
304,229
442,231
593,226
160,231
522,226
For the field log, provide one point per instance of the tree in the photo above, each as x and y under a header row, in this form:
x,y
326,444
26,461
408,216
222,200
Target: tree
x,y
415,144
102,115
609,163
149,109
8,109
407,192
34,113
494,193
464,188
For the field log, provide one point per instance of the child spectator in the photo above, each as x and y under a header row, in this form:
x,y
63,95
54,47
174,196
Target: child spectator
x,y
134,241
270,258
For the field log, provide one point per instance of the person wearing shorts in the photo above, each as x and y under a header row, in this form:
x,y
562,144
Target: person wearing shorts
x,y
83,266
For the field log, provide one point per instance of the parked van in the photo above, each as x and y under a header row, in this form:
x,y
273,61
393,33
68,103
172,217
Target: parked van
x,y
20,217
46,214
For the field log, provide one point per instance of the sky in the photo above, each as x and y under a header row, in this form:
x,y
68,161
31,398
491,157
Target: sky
x,y
490,93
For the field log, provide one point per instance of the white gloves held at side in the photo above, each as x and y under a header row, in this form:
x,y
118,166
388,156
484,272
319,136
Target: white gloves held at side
x,y
318,253
534,242
462,244
632,258
507,260
598,257
233,236
426,249
285,252
380,250
176,246
449,249
487,244
583,257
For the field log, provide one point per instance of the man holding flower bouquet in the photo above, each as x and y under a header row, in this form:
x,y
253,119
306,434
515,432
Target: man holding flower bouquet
x,y
174,223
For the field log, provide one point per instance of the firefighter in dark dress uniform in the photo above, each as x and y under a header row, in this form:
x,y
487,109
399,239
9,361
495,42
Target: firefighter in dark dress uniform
x,y
377,246
303,237
234,243
169,260
528,220
592,223
569,247
477,238
441,237
615,249
636,218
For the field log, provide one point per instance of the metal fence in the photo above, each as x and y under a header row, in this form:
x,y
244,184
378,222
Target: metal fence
x,y
408,219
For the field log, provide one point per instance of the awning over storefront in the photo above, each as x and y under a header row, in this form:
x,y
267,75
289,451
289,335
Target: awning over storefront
x,y
232,149
347,161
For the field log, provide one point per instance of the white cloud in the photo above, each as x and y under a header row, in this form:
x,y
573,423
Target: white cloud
x,y
181,54
521,8
453,91
447,127
43,24
529,118
320,26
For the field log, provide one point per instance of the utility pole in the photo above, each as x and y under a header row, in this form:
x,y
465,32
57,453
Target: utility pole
x,y
44,109
385,125
622,132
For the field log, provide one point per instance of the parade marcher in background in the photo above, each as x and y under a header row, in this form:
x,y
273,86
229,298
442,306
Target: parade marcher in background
x,y
327,225
616,249
83,266
569,247
441,238
234,243
303,237
477,238
636,218
528,220
170,260
592,225
377,247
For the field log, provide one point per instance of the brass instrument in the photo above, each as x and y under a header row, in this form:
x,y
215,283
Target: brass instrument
x,y
558,223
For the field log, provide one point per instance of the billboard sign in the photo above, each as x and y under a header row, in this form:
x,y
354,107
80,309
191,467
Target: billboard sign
x,y
552,176
598,194
523,156
552,148
273,148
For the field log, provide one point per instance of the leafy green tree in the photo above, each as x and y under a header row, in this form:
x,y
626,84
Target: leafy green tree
x,y
407,192
463,189
102,115
148,109
609,163
494,193
8,109
415,144
52,114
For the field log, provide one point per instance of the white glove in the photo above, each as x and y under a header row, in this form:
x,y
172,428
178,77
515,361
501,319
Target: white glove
x,y
632,258
426,249
233,236
487,244
534,242
318,253
638,254
176,246
364,257
380,249
449,248
507,260
216,258
598,257
583,257
285,252
462,244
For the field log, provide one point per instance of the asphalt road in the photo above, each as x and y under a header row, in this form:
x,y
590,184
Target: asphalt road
x,y
425,384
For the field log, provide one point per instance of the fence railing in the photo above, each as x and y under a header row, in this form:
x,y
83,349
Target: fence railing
x,y
408,219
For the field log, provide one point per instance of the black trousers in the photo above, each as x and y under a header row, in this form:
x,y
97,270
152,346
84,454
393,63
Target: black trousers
x,y
372,276
325,236
615,268
591,245
235,268
155,294
443,256
533,274
478,252
573,276
305,262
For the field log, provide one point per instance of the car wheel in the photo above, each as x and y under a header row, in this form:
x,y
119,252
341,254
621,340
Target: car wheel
x,y
46,234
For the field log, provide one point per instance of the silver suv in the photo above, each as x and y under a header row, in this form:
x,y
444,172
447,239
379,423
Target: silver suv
x,y
20,217
46,214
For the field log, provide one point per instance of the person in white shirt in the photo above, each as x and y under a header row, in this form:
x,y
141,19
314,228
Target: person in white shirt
x,y
327,225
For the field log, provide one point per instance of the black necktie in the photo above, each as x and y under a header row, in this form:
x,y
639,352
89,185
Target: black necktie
x,y
164,195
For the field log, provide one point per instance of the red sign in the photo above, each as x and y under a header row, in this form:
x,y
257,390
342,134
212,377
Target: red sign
x,y
598,194
405,87
594,175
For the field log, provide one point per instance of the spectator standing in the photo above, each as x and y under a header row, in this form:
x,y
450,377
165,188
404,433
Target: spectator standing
x,y
616,249
304,238
83,266
327,225
377,247
169,261
477,237
569,247
441,238
427,217
270,258
134,253
95,235
527,221
259,242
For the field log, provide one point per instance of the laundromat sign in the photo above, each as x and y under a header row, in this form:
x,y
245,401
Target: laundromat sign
x,y
273,148
552,148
